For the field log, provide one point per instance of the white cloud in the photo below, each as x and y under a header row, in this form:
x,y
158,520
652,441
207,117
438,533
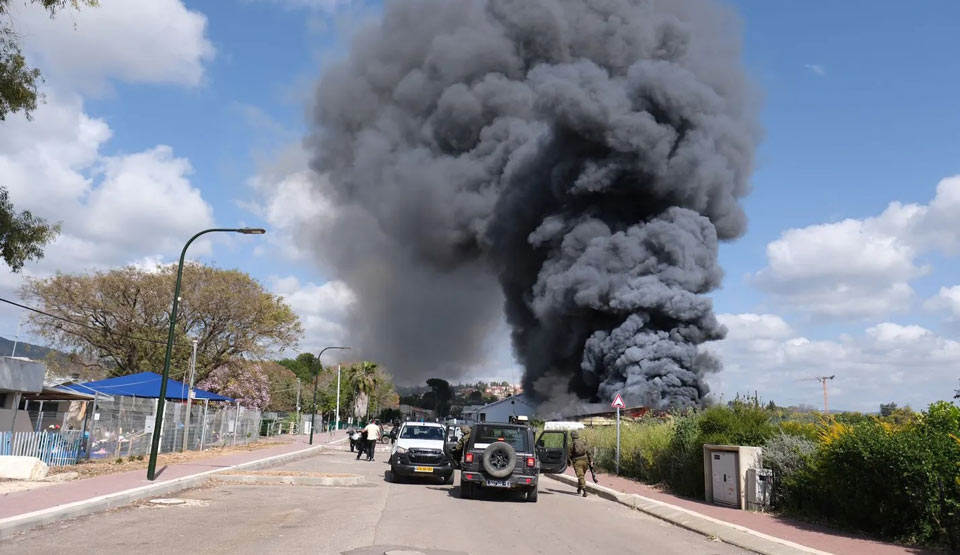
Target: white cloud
x,y
947,299
113,209
159,41
816,69
862,267
908,364
320,5
292,199
323,309
754,326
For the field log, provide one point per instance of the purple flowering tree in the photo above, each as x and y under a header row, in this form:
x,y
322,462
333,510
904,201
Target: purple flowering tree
x,y
243,380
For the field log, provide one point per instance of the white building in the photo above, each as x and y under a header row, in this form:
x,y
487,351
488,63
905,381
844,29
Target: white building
x,y
502,410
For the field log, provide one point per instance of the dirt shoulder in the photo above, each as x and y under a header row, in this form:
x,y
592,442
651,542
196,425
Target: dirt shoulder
x,y
101,467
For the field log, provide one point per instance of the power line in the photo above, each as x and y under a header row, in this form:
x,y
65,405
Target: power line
x,y
88,326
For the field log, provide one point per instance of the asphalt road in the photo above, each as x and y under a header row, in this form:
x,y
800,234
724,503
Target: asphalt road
x,y
425,517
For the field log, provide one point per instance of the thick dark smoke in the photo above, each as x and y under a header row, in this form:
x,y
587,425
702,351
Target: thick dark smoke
x,y
586,154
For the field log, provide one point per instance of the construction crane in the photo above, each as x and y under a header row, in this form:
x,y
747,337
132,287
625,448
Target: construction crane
x,y
823,381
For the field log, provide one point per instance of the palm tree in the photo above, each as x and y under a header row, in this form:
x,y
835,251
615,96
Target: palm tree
x,y
364,379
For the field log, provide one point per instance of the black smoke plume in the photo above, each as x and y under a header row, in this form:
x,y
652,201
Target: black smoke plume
x,y
585,154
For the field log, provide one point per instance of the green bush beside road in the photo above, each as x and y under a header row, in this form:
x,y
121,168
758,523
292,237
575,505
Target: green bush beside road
x,y
897,477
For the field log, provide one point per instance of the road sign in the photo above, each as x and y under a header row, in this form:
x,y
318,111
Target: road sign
x,y
618,404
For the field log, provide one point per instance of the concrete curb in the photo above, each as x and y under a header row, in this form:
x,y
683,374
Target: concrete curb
x,y
732,534
327,481
20,523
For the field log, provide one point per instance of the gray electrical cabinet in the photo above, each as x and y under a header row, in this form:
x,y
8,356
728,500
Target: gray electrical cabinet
x,y
725,473
758,488
725,480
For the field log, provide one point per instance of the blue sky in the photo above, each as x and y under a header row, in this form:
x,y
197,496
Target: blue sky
x,y
858,110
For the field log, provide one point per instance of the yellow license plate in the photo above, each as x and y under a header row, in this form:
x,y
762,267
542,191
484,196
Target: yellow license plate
x,y
423,469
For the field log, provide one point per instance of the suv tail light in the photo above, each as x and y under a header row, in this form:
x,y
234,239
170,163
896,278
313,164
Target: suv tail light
x,y
531,462
468,457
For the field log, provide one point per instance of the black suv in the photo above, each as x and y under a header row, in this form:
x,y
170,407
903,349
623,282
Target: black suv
x,y
505,457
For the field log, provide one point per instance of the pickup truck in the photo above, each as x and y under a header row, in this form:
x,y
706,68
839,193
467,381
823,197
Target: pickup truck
x,y
419,452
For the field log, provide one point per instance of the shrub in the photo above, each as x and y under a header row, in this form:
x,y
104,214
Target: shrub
x,y
900,482
806,430
788,456
643,447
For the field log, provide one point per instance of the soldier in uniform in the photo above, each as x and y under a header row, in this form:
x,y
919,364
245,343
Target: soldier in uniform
x,y
457,451
580,459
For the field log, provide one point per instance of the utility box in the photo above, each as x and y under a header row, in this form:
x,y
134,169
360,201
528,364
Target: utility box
x,y
759,483
725,473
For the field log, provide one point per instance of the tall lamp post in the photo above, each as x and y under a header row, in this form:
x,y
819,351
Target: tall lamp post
x,y
316,382
158,423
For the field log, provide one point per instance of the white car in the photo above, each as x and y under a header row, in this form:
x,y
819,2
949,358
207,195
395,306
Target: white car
x,y
418,452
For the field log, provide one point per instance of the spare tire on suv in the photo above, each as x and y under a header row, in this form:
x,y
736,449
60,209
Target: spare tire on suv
x,y
499,459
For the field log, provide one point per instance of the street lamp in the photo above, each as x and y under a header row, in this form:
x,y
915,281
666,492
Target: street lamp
x,y
158,423
316,382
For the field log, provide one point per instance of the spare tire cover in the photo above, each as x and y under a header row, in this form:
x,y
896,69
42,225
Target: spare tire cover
x,y
499,459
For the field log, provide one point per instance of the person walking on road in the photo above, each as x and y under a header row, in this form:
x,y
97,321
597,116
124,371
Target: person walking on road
x,y
580,459
362,443
373,434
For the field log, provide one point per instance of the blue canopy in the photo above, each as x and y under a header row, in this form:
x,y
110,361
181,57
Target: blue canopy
x,y
144,384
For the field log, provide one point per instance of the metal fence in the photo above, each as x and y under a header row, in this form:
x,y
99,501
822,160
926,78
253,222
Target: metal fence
x,y
119,426
53,448
123,426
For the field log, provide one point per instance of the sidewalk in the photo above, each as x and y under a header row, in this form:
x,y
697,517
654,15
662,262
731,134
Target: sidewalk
x,y
23,502
804,533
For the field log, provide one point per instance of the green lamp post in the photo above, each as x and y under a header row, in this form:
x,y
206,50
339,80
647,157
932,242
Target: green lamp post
x,y
158,423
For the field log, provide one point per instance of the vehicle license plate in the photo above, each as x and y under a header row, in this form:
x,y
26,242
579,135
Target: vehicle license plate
x,y
498,484
423,469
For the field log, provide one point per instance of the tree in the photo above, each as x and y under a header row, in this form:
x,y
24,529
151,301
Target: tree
x,y
442,394
363,380
23,235
18,82
242,380
282,384
886,409
305,366
956,394
119,319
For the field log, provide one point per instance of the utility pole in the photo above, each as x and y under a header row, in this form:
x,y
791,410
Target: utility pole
x,y
298,405
337,425
17,339
186,418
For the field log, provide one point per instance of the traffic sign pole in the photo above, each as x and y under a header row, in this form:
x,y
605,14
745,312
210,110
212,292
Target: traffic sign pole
x,y
618,441
618,404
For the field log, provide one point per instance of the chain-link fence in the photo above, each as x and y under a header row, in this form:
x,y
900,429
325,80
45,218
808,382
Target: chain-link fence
x,y
123,426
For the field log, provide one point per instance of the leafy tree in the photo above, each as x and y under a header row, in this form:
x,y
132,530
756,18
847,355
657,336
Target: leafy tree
x,y
243,380
305,366
18,81
23,235
283,387
886,409
119,319
441,395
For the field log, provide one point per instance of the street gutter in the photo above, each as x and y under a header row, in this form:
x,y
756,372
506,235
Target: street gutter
x,y
726,532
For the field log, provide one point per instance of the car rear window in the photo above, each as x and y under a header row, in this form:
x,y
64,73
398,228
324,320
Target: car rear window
x,y
422,432
516,437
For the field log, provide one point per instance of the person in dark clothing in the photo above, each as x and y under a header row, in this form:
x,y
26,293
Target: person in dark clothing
x,y
362,444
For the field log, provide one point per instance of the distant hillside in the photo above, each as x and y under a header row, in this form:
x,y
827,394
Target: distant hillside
x,y
36,352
